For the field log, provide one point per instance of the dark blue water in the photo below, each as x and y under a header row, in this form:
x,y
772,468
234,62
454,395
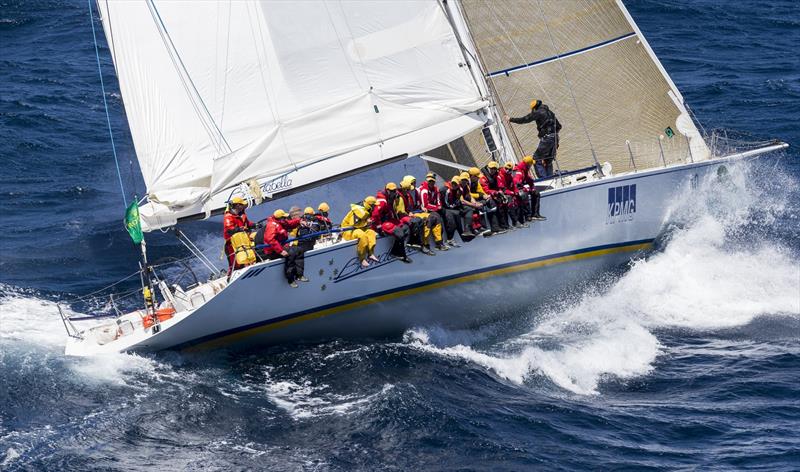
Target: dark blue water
x,y
688,359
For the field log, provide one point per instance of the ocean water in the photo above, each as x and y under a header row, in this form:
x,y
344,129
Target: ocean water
x,y
689,358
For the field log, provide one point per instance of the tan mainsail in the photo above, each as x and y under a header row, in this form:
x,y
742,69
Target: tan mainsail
x,y
587,60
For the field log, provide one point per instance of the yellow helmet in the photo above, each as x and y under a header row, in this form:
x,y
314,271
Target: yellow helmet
x,y
391,186
493,165
370,201
464,176
280,213
324,207
408,182
238,201
308,211
455,179
535,104
509,165
528,160
474,171
430,176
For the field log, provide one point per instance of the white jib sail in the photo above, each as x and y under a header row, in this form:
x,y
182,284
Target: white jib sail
x,y
218,93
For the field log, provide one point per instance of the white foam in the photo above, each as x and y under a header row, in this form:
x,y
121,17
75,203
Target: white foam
x,y
303,399
716,272
32,328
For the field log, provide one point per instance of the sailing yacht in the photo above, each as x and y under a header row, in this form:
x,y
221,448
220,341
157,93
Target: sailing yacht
x,y
262,100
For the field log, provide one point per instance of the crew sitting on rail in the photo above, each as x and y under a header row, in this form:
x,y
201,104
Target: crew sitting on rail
x,y
548,127
234,221
505,177
431,201
488,205
416,222
275,234
491,184
455,212
323,218
474,221
359,219
386,219
431,221
527,189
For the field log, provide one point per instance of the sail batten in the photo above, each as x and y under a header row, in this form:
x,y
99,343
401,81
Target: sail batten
x,y
589,62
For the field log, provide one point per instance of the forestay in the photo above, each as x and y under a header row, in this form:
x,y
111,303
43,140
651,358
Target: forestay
x,y
218,93
590,63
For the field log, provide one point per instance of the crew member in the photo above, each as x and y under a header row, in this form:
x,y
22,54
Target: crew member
x,y
473,221
505,178
275,235
323,218
490,183
431,220
455,213
488,205
358,218
548,127
416,221
235,220
527,189
431,201
386,214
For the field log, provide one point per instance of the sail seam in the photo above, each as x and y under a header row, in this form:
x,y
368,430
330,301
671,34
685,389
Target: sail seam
x,y
561,56
219,140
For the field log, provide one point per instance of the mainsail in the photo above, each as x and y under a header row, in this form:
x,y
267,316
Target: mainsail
x,y
590,63
220,93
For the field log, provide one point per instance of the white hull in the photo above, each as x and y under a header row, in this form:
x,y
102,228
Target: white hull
x,y
459,288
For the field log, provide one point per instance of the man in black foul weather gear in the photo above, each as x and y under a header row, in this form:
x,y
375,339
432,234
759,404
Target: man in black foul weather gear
x,y
548,126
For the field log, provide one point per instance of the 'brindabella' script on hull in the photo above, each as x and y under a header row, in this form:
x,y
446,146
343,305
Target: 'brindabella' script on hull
x,y
281,183
352,268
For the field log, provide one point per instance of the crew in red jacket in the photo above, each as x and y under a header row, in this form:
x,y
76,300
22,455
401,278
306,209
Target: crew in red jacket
x,y
527,189
490,182
235,220
386,219
506,183
276,232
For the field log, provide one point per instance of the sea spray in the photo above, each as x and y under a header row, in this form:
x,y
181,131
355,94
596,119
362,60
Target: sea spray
x,y
715,270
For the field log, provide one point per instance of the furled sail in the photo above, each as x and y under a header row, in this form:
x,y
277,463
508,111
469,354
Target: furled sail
x,y
219,93
590,63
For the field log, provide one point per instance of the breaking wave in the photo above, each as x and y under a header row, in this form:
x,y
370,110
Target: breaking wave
x,y
717,270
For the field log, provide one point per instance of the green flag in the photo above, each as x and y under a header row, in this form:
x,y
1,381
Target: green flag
x,y
132,223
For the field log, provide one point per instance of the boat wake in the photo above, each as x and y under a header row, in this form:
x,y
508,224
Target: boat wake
x,y
720,266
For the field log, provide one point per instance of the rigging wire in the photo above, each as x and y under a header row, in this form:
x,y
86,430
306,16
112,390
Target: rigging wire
x,y
569,84
105,105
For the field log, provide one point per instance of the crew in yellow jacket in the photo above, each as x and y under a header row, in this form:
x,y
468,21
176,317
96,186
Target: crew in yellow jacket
x,y
359,219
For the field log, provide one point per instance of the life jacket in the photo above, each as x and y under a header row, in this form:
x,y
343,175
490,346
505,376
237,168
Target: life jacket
x,y
384,212
451,196
411,199
232,221
522,175
431,200
489,183
505,179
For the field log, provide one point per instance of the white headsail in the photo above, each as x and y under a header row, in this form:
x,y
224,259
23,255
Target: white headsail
x,y
590,63
218,93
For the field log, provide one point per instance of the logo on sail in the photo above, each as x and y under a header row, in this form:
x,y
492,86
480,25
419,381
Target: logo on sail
x,y
621,204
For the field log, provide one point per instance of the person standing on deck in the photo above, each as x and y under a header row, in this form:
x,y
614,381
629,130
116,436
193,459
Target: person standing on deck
x,y
548,127
235,220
